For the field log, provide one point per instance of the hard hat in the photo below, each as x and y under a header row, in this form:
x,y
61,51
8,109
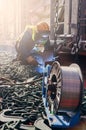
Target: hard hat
x,y
43,26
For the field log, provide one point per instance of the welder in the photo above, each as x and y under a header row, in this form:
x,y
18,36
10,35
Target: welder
x,y
33,45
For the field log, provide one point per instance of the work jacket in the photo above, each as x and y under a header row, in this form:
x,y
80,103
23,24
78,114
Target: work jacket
x,y
28,42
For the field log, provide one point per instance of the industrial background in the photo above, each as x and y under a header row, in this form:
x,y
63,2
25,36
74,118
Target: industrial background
x,y
16,14
25,95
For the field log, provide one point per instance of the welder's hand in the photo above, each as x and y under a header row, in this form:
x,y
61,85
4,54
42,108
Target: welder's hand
x,y
30,60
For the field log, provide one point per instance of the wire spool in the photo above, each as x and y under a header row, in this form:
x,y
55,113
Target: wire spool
x,y
68,83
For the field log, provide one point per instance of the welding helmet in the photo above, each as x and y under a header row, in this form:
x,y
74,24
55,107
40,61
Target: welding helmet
x,y
43,26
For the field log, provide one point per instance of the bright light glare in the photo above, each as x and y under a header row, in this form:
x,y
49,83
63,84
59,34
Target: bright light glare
x,y
16,14
7,20
2,4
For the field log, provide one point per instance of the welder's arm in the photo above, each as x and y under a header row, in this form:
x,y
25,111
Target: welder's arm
x,y
24,45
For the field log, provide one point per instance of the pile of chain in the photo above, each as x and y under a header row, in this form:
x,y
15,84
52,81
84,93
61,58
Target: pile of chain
x,y
16,71
23,102
20,99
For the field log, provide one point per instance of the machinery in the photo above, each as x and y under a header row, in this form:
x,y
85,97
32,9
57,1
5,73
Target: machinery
x,y
68,23
68,32
62,89
62,94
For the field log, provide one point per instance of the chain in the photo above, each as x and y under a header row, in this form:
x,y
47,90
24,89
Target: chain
x,y
55,24
76,42
56,18
76,45
78,25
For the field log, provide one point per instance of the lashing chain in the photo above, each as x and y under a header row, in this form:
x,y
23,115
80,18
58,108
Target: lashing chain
x,y
76,45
